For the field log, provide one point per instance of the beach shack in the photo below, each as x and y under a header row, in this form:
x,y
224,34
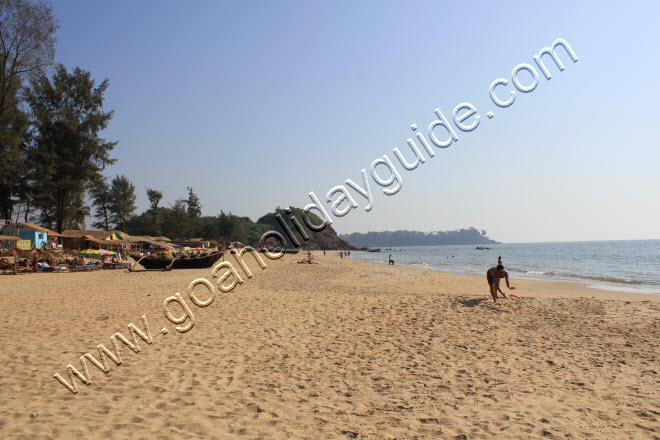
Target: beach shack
x,y
8,242
30,236
85,239
116,241
148,243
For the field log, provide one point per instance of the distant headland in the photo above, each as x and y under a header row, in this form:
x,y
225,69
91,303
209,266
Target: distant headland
x,y
418,238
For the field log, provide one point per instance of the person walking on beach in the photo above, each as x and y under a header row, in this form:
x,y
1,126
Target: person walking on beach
x,y
493,275
391,261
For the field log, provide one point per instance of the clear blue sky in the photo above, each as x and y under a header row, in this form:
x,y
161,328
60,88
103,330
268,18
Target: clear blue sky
x,y
254,104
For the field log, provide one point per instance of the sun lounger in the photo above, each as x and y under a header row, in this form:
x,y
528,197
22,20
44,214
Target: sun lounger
x,y
61,268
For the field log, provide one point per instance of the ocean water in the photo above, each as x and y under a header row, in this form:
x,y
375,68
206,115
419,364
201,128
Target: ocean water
x,y
628,266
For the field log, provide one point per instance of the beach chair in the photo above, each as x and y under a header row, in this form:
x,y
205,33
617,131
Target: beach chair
x,y
44,268
60,268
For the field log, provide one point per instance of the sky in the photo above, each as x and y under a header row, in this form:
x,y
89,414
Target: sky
x,y
256,104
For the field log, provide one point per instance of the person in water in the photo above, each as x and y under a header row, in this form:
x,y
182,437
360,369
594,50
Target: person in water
x,y
493,275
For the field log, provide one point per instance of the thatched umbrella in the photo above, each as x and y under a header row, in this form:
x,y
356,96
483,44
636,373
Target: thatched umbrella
x,y
69,253
20,253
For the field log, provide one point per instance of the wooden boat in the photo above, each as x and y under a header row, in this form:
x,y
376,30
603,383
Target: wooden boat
x,y
201,261
165,261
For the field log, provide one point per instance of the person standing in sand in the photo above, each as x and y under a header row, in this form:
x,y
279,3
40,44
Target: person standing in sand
x,y
493,275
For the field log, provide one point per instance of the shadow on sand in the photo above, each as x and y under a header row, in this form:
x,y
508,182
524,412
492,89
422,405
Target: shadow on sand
x,y
471,302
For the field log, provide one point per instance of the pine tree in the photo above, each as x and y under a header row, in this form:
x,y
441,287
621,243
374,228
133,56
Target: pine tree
x,y
100,193
67,151
122,201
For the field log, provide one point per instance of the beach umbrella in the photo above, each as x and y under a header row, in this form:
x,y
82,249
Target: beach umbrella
x,y
104,252
90,253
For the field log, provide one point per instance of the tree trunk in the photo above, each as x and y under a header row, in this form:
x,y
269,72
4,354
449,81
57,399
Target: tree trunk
x,y
60,214
105,217
5,200
27,209
156,220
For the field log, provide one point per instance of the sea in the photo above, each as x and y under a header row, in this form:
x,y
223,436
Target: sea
x,y
626,265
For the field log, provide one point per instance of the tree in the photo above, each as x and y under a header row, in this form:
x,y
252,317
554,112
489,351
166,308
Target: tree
x,y
233,228
100,192
12,160
122,201
226,226
194,206
67,151
76,213
27,47
180,221
154,197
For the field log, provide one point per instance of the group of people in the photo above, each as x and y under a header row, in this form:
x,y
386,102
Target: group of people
x,y
40,264
343,254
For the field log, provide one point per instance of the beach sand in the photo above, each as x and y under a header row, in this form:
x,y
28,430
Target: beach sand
x,y
342,349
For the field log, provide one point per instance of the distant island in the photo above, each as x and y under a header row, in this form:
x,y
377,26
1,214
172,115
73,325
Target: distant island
x,y
417,238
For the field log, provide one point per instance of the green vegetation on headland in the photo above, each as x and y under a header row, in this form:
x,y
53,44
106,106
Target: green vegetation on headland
x,y
325,239
417,238
180,223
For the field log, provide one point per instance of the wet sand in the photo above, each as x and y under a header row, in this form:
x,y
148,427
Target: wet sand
x,y
342,349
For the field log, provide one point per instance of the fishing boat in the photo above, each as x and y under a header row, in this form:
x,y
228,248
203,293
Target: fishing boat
x,y
166,261
201,261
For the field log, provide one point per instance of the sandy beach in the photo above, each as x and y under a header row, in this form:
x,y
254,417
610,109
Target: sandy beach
x,y
342,349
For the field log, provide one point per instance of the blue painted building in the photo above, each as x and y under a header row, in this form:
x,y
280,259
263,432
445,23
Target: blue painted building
x,y
37,235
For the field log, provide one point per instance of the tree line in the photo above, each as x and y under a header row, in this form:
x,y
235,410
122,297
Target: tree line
x,y
417,238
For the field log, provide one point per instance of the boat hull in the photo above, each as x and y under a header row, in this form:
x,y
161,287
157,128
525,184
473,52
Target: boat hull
x,y
199,262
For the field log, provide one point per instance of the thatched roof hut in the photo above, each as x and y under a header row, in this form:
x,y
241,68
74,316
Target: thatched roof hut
x,y
83,239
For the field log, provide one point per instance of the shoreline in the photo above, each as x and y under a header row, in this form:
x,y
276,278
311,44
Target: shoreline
x,y
556,288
